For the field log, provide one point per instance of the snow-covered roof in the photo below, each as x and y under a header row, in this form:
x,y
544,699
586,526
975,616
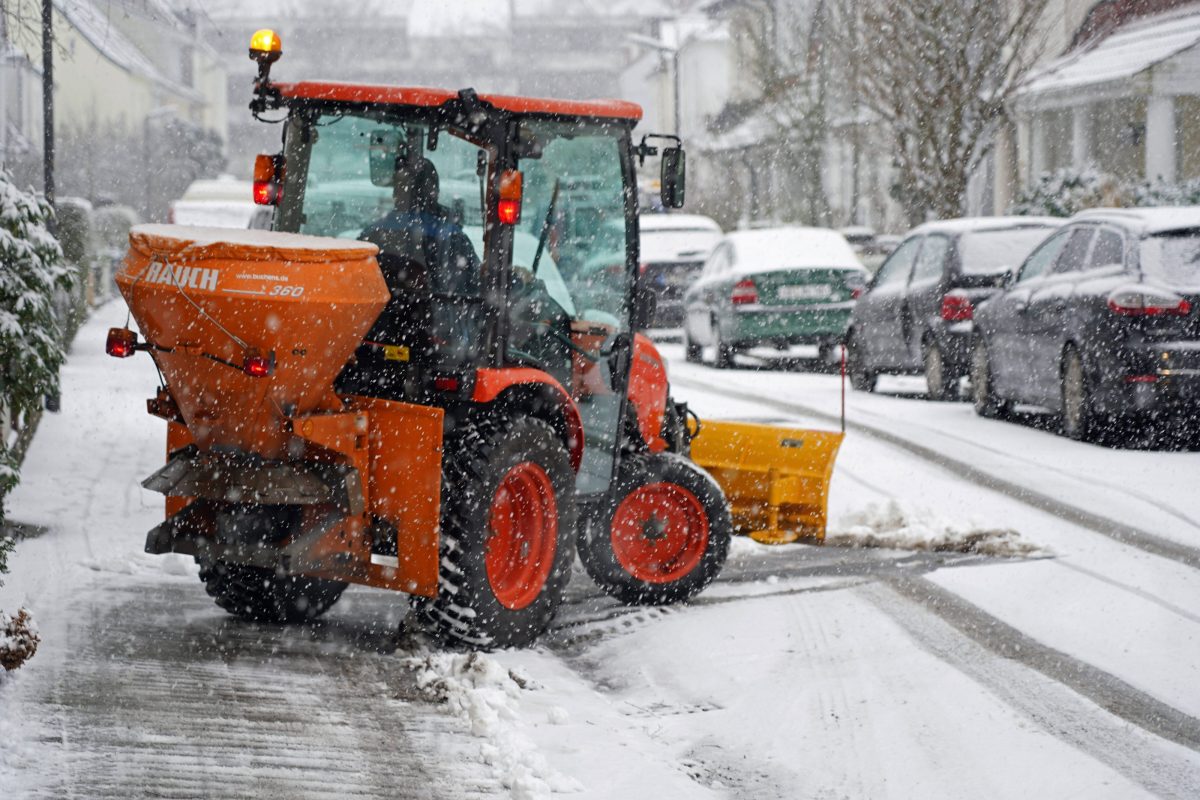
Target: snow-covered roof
x,y
93,25
770,249
1132,49
665,222
1146,220
971,224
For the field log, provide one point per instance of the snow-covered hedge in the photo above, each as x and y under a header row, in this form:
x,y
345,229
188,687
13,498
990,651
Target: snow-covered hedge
x,y
1065,192
30,339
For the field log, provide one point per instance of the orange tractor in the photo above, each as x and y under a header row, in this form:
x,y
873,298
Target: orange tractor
x,y
427,377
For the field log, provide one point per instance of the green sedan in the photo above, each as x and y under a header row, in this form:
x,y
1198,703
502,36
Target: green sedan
x,y
774,287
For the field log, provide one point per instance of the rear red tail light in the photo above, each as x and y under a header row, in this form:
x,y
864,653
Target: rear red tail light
x,y
446,383
956,307
509,211
1143,301
267,193
744,293
856,292
121,342
258,365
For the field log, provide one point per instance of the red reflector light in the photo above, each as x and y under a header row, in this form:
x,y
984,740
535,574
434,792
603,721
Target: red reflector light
x,y
744,293
257,365
121,342
1138,301
856,292
446,383
956,307
1141,378
509,211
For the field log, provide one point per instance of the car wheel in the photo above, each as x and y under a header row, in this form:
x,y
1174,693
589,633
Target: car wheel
x,y
987,402
861,379
1079,419
939,385
724,355
692,353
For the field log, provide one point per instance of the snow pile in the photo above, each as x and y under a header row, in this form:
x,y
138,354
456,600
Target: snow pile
x,y
486,695
904,526
18,639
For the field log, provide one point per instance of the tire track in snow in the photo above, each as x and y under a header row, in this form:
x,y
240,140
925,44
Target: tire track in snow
x,y
158,694
1000,639
1097,523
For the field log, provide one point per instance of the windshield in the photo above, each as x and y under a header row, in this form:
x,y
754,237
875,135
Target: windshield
x,y
993,252
1173,258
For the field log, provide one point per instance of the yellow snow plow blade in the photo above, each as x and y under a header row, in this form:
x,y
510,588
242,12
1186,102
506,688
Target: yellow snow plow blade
x,y
776,479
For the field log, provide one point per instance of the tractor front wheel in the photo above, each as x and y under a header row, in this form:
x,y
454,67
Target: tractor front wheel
x,y
664,537
508,518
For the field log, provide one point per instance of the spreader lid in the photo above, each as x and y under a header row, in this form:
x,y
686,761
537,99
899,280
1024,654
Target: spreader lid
x,y
188,243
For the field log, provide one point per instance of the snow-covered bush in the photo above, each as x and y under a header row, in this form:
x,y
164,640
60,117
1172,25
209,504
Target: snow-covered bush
x,y
1065,192
30,338
6,546
1161,193
19,639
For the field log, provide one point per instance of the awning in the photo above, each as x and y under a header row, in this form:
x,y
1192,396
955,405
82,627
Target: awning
x,y
1131,50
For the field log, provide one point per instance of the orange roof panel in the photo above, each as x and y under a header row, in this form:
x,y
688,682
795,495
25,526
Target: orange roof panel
x,y
420,96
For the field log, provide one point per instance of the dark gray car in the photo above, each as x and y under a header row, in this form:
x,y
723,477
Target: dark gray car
x,y
1101,323
916,315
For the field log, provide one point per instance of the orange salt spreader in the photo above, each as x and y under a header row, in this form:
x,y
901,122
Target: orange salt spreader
x,y
249,330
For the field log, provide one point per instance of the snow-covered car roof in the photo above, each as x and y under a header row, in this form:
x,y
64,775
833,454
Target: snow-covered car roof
x,y
1145,221
770,249
953,227
675,222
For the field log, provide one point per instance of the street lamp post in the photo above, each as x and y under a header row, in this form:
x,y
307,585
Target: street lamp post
x,y
48,99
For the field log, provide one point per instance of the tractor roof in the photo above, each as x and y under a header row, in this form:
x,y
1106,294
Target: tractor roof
x,y
421,96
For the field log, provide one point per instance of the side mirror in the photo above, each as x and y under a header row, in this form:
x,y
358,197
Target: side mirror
x,y
645,304
1007,279
385,150
673,179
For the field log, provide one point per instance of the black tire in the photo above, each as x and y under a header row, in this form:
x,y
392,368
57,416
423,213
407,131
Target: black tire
x,y
1079,420
987,402
861,378
692,353
262,595
658,482
469,609
724,352
939,384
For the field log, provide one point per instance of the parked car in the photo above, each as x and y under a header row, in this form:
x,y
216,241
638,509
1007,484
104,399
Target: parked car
x,y
916,315
223,202
1101,323
673,250
777,287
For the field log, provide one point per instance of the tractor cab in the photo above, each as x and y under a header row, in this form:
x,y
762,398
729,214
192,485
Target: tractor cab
x,y
491,215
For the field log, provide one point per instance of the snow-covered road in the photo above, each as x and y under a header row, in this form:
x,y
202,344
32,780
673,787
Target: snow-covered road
x,y
804,672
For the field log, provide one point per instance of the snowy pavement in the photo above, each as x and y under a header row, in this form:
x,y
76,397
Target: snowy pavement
x,y
1069,670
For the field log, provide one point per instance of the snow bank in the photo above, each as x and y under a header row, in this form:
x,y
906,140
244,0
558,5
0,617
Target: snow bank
x,y
905,526
486,695
18,639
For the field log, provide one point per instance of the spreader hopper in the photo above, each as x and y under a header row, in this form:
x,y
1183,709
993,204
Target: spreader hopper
x,y
249,328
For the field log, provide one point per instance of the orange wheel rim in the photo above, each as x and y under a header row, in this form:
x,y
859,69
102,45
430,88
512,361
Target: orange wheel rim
x,y
659,532
523,527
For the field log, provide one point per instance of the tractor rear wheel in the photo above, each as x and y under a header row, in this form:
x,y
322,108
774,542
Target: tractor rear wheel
x,y
508,519
263,595
664,538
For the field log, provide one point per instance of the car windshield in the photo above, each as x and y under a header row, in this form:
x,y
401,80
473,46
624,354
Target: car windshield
x,y
1173,257
996,251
